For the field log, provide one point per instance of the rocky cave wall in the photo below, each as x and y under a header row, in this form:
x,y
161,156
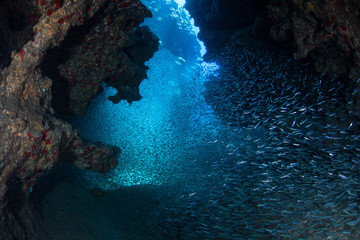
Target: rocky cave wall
x,y
221,20
54,56
324,33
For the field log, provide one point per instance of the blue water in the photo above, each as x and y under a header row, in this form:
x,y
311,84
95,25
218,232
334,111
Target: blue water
x,y
158,134
268,155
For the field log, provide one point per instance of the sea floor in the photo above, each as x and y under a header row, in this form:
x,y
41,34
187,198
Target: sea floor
x,y
70,212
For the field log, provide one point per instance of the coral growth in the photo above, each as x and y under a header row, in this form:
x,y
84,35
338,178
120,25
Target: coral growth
x,y
98,51
33,141
327,31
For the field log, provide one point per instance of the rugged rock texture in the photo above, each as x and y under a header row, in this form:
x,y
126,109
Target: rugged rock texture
x,y
33,140
325,33
221,20
101,50
326,30
127,79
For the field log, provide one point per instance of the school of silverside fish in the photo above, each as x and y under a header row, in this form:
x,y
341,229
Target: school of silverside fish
x,y
287,159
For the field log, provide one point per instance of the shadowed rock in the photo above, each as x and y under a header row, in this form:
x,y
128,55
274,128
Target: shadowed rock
x,y
34,141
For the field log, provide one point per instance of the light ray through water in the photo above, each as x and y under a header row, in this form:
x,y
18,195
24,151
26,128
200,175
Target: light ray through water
x,y
271,159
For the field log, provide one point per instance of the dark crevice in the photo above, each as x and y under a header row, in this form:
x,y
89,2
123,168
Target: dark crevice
x,y
59,55
17,19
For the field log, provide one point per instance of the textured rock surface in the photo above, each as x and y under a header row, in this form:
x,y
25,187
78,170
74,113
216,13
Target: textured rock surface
x,y
219,20
98,50
127,79
33,140
326,30
326,33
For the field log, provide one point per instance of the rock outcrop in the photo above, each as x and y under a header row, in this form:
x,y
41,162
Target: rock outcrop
x,y
326,31
220,20
54,56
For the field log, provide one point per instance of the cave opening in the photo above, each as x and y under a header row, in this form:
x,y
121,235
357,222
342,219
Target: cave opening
x,y
163,139
254,145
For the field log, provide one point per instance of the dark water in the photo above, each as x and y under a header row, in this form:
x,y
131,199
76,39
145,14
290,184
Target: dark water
x,y
260,149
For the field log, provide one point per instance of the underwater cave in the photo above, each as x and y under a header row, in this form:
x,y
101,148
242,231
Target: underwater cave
x,y
179,120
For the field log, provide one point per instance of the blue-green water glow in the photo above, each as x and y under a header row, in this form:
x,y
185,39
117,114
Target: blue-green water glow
x,y
156,133
273,157
180,2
